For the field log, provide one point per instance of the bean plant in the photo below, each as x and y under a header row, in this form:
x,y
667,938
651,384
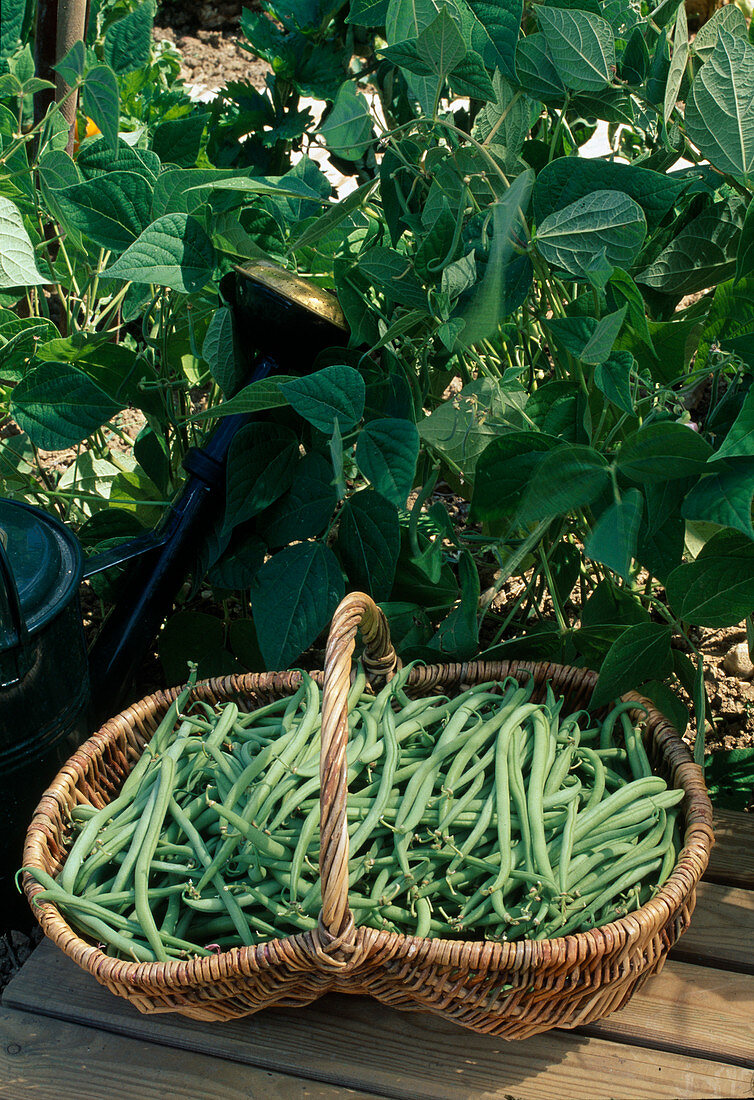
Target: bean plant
x,y
564,342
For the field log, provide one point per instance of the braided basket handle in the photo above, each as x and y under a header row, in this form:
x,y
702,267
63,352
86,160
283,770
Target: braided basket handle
x,y
357,610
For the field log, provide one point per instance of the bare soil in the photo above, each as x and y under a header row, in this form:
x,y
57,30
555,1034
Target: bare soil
x,y
207,37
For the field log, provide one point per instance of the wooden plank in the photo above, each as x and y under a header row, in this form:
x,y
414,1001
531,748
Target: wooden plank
x,y
42,1059
722,929
732,859
353,1041
692,1010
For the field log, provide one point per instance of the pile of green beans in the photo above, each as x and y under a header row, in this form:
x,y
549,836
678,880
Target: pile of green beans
x,y
485,816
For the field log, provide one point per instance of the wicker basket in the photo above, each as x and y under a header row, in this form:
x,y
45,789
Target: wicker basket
x,y
508,989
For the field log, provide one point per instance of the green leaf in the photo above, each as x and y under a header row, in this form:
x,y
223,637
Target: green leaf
x,y
729,773
739,442
486,307
717,589
664,12
720,107
367,13
335,447
12,17
386,453
18,266
257,396
460,428
559,407
503,472
19,339
582,47
192,636
112,210
663,530
634,65
128,43
71,67
702,254
348,131
333,393
242,639
729,18
440,45
293,600
369,541
96,158
642,652
459,276
668,703
730,321
115,368
457,636
613,378
623,287
569,477
182,190
152,452
678,61
506,120
179,140
305,509
610,605
220,353
261,466
565,569
663,451
57,170
333,217
745,252
409,625
135,493
494,33
173,251
614,537
405,23
58,406
239,564
725,496
535,69
674,343
101,102
567,179
605,224
393,273
600,343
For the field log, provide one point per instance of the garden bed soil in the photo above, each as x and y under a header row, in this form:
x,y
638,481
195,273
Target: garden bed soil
x,y
207,37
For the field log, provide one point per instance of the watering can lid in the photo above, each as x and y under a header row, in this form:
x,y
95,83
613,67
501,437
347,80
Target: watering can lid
x,y
46,562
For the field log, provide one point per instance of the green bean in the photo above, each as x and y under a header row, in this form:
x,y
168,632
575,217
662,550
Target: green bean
x,y
606,733
566,848
598,771
364,831
535,809
145,854
637,755
140,832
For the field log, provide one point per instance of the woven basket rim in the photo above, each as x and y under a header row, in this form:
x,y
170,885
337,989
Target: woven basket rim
x,y
179,973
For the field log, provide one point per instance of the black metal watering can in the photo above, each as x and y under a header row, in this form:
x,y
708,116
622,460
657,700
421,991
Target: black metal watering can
x,y
51,694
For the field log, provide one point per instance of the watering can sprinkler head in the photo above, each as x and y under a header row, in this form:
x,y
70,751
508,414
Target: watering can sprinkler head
x,y
283,316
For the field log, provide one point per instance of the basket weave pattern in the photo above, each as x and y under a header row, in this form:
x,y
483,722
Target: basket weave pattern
x,y
511,990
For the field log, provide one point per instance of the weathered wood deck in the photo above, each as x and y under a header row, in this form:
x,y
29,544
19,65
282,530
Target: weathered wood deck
x,y
688,1034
